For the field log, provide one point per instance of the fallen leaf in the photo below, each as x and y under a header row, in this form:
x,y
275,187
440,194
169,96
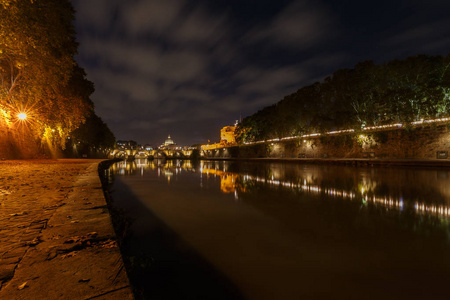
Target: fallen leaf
x,y
71,254
18,214
51,255
34,242
108,244
73,239
22,286
4,192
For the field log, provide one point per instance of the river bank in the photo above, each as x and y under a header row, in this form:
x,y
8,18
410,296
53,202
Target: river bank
x,y
427,142
56,236
347,161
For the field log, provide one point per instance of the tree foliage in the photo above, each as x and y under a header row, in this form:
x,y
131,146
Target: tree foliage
x,y
38,74
406,90
93,133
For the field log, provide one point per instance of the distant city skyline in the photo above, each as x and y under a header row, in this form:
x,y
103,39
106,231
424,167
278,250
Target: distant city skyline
x,y
189,68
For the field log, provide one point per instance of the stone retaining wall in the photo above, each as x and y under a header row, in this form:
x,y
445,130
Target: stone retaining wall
x,y
417,143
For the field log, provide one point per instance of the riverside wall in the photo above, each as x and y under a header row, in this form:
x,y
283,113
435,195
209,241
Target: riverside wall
x,y
428,142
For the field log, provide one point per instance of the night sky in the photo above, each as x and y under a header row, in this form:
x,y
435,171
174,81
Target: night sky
x,y
188,68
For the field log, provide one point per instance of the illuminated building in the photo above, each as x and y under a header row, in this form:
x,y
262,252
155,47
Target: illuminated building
x,y
126,144
169,141
227,139
227,135
169,144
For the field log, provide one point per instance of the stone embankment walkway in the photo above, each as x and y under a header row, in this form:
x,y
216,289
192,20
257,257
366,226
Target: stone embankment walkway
x,y
56,236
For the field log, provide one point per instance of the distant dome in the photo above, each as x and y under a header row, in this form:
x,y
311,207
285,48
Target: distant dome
x,y
169,141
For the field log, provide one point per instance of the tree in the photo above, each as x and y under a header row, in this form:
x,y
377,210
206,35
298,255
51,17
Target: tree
x,y
403,91
92,135
38,74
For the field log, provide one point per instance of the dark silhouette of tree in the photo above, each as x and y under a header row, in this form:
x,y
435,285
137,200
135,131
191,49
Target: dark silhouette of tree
x,y
92,136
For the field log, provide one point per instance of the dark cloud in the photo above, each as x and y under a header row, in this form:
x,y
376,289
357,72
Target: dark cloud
x,y
426,38
98,14
256,80
301,24
200,27
157,17
187,68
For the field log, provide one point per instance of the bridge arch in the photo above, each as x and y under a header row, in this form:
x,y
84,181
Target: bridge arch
x,y
141,154
120,154
160,154
178,154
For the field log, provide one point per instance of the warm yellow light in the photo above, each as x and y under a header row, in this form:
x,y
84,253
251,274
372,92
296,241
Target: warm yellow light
x,y
22,116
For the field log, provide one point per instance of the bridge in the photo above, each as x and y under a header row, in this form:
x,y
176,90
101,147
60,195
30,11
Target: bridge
x,y
141,153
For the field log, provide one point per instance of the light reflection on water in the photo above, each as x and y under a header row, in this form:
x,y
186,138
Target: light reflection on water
x,y
369,188
313,231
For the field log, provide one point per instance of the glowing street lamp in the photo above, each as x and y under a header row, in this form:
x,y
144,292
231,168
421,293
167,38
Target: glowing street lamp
x,y
22,116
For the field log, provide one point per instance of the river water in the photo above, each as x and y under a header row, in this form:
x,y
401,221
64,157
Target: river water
x,y
254,230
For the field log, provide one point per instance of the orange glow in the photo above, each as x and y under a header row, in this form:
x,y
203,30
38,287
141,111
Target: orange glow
x,y
227,180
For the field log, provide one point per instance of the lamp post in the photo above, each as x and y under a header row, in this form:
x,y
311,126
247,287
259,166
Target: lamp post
x,y
22,116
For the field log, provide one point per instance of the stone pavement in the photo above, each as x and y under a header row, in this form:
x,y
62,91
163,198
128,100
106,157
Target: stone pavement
x,y
56,236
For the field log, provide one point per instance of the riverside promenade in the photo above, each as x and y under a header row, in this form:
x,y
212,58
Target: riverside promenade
x,y
56,236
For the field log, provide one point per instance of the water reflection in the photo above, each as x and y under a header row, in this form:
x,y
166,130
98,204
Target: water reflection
x,y
276,230
422,191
